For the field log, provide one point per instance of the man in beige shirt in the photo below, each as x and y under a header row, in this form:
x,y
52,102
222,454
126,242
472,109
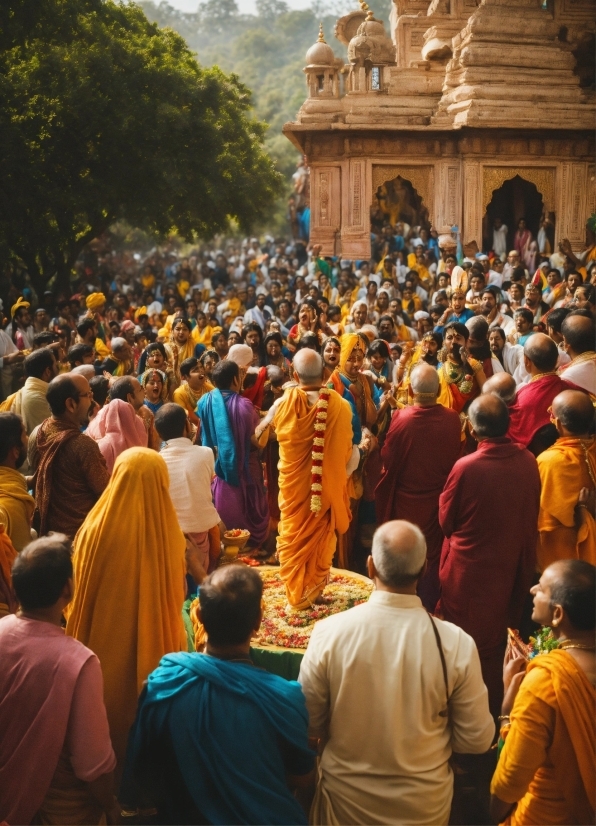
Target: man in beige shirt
x,y
376,695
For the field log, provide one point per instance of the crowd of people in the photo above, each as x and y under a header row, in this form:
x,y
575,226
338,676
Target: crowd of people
x,y
423,417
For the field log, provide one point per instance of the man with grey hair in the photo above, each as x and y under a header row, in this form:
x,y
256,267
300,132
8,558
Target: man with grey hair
x,y
120,362
313,425
392,693
501,385
486,570
422,445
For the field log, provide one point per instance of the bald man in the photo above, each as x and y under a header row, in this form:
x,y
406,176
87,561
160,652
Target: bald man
x,y
489,512
502,385
530,418
422,445
376,694
568,475
71,472
579,337
313,426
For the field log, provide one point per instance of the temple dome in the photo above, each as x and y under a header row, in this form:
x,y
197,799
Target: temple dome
x,y
320,53
371,44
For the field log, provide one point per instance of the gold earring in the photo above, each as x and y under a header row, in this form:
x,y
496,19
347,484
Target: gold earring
x,y
554,623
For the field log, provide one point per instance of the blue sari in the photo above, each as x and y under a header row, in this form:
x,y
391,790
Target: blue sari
x,y
229,725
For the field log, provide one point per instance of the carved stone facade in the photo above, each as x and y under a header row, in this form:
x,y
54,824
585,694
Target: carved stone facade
x,y
456,115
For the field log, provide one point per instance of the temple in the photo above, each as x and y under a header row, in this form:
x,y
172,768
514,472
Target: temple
x,y
466,112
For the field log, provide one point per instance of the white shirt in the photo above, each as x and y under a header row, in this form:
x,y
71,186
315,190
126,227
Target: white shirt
x,y
374,688
583,374
31,403
500,240
513,356
505,322
191,469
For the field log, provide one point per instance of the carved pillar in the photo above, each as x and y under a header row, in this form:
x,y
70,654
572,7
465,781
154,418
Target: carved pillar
x,y
325,216
448,195
473,211
355,231
573,207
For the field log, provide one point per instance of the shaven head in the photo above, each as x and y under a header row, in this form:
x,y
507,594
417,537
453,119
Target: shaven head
x,y
578,333
86,370
399,553
308,366
489,416
542,352
575,412
572,586
501,385
424,379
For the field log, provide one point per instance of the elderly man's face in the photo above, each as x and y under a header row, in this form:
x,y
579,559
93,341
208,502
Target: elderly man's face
x,y
360,314
513,259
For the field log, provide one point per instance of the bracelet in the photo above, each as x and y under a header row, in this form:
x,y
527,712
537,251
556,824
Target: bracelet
x,y
582,505
504,717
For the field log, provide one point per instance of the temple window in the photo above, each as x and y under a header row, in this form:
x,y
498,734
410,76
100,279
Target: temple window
x,y
375,79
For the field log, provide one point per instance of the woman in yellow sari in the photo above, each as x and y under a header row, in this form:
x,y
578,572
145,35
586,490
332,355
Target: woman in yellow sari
x,y
547,769
181,345
204,332
129,573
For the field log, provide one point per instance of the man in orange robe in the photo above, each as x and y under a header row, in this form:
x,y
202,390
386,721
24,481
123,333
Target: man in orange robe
x,y
547,768
566,529
313,425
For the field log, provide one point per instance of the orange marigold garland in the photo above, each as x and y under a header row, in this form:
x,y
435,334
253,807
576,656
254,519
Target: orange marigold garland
x,y
318,449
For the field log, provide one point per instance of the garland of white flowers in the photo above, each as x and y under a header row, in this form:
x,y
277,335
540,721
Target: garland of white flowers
x,y
318,451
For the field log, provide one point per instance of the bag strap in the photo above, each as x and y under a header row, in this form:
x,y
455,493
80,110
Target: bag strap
x,y
445,712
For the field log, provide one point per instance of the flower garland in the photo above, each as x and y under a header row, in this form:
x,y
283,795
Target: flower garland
x,y
318,448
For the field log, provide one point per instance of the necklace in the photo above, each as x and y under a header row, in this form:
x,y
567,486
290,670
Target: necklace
x,y
542,375
571,644
587,356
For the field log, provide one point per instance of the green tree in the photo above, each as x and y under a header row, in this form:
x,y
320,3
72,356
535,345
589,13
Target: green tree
x,y
103,117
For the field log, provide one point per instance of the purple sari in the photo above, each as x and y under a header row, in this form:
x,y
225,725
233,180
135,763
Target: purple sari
x,y
244,506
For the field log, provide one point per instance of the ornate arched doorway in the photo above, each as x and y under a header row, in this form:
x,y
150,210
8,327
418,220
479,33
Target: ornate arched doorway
x,y
514,194
398,198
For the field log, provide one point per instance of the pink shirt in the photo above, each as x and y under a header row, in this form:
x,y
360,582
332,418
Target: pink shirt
x,y
51,697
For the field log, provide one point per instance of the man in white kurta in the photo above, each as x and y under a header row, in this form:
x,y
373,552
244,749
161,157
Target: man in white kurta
x,y
376,695
579,342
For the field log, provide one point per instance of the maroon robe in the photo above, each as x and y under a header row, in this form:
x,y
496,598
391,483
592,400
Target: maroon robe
x,y
420,449
489,515
529,412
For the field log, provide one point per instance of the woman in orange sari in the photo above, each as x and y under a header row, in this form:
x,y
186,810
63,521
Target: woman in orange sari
x,y
129,570
547,770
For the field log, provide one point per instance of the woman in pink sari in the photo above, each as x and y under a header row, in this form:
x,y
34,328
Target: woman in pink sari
x,y
522,243
116,428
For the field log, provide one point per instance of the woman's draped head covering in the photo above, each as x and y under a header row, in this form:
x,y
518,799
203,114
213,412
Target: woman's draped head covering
x,y
349,343
129,573
115,429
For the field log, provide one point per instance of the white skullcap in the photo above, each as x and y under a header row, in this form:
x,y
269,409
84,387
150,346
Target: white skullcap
x,y
420,314
240,354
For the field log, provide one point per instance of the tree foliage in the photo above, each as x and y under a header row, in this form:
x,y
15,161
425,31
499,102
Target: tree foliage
x,y
267,52
105,116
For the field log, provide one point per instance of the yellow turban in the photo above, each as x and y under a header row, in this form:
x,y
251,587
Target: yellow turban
x,y
20,303
139,312
95,301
